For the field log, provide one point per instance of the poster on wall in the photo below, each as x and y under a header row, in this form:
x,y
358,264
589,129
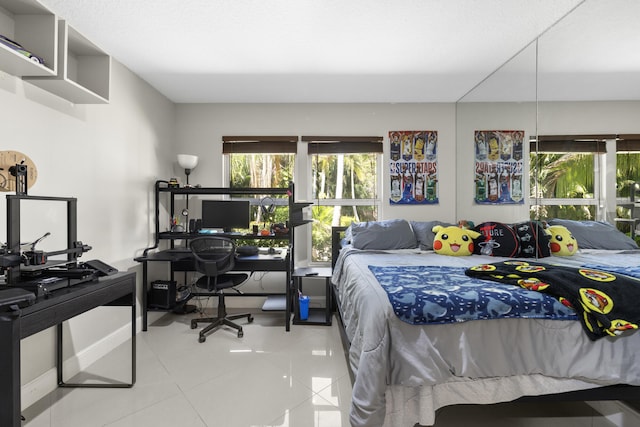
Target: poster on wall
x,y
413,167
498,166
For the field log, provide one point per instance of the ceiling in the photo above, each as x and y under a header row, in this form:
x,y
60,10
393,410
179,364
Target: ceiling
x,y
267,51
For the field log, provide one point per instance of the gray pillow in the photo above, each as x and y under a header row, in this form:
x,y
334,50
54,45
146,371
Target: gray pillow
x,y
387,234
596,234
423,233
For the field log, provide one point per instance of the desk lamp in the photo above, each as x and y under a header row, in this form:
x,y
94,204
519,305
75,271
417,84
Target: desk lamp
x,y
188,162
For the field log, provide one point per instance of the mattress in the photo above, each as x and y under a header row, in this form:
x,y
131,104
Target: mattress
x,y
404,373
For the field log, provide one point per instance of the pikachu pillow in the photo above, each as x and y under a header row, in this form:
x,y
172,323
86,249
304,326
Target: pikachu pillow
x,y
453,240
562,242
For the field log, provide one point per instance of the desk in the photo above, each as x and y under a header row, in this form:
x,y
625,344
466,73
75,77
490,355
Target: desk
x,y
64,304
182,260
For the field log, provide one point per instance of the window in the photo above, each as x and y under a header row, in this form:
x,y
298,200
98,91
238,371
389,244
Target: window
x,y
257,162
565,176
345,181
568,177
627,181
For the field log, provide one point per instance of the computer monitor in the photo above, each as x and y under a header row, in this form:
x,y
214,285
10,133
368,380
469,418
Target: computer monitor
x,y
225,214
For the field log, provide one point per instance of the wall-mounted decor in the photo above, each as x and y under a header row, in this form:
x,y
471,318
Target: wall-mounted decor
x,y
17,172
413,167
498,166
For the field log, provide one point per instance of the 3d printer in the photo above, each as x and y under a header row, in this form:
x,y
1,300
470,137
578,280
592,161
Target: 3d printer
x,y
40,271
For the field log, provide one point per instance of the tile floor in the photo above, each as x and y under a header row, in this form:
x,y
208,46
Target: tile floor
x,y
267,378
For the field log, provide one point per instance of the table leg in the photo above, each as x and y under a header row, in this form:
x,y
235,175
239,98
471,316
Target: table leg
x,y
10,404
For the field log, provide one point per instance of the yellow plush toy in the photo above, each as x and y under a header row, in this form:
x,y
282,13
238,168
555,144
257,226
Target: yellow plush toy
x,y
453,240
562,242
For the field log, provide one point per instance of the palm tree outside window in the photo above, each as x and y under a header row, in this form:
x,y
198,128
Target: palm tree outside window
x,y
569,177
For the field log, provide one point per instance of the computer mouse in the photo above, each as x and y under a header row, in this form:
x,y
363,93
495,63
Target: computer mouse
x,y
272,251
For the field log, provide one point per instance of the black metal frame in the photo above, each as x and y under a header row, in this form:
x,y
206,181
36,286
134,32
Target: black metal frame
x,y
184,261
117,290
13,227
317,316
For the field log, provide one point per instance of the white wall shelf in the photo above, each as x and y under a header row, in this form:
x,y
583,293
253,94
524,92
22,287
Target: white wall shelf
x,y
35,28
84,70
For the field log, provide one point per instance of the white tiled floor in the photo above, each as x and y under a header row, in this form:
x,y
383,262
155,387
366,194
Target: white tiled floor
x,y
267,378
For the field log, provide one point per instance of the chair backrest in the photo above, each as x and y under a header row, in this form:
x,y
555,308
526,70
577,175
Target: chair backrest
x,y
213,255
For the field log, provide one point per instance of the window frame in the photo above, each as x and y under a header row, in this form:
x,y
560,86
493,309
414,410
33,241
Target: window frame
x,y
335,145
605,148
303,171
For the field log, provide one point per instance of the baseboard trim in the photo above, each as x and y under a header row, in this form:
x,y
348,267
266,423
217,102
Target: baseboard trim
x,y
35,390
618,413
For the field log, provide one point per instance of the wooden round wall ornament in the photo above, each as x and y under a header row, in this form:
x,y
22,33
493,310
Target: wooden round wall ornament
x,y
9,159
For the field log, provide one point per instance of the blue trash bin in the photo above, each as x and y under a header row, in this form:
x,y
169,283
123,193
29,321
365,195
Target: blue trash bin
x,y
303,304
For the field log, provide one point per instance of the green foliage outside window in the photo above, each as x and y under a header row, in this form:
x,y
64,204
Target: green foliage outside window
x,y
572,175
565,176
263,171
340,177
627,177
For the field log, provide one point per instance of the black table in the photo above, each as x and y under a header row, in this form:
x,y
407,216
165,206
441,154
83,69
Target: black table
x,y
63,304
182,260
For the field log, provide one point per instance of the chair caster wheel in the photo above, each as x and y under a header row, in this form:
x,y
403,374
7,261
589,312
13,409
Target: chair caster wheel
x,y
240,334
202,339
194,325
250,319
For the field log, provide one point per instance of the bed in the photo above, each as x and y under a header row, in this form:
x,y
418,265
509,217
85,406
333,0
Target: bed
x,y
403,373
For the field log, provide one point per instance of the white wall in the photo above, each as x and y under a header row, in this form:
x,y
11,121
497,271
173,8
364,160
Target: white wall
x,y
107,156
200,128
556,118
488,116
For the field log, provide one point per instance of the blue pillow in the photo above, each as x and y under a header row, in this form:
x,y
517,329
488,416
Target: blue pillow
x,y
387,234
596,234
423,233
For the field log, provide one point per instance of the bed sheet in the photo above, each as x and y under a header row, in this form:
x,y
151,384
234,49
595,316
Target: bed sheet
x,y
404,373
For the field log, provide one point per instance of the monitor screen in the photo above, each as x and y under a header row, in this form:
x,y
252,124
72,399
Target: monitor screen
x,y
225,214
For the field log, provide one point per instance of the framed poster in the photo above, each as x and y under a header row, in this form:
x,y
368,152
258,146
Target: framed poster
x,y
413,167
498,166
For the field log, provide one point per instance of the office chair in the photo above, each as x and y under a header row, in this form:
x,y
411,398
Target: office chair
x,y
214,256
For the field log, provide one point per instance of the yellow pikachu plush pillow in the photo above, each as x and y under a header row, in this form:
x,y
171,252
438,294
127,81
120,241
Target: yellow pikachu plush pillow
x,y
453,240
562,242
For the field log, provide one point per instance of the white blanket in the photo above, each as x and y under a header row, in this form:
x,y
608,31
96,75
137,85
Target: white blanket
x,y
404,373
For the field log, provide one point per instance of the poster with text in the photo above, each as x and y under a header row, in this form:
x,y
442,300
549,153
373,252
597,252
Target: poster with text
x,y
498,166
413,167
